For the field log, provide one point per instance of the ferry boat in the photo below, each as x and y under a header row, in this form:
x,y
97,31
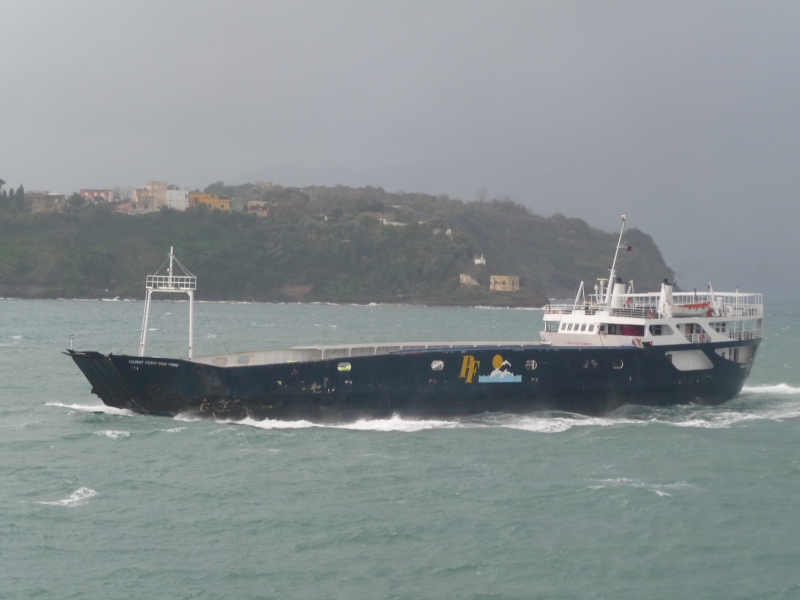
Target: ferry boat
x,y
604,350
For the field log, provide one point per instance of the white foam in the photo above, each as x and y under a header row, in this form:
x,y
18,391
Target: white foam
x,y
782,389
78,497
94,408
114,435
271,424
553,424
173,430
187,417
533,424
656,488
396,423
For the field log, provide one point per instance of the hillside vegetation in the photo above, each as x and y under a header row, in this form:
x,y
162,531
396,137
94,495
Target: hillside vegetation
x,y
318,244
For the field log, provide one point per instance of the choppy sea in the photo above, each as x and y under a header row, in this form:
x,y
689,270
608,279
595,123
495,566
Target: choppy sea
x,y
684,502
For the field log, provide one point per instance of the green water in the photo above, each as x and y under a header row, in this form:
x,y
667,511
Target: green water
x,y
686,502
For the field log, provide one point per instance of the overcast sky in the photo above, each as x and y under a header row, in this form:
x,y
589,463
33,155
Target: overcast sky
x,y
682,114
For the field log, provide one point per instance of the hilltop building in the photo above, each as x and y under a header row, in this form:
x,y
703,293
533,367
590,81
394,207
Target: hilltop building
x,y
90,195
238,205
126,208
504,283
177,199
465,279
259,208
43,201
151,198
480,260
198,199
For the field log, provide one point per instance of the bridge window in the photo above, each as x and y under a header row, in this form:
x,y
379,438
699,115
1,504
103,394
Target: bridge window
x,y
583,327
660,330
591,328
637,330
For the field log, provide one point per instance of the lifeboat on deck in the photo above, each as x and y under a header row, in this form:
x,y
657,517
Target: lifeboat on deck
x,y
700,309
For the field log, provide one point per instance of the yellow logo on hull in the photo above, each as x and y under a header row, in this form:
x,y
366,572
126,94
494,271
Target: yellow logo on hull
x,y
468,368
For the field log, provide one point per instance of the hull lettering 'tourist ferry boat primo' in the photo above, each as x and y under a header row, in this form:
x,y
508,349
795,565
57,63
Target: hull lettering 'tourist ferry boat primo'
x,y
604,350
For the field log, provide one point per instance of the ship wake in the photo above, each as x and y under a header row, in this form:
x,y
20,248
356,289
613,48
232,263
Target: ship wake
x,y
775,402
751,406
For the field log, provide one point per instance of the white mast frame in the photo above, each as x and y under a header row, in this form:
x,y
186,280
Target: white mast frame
x,y
612,277
171,284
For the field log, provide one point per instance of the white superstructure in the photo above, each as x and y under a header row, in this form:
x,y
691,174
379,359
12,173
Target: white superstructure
x,y
616,316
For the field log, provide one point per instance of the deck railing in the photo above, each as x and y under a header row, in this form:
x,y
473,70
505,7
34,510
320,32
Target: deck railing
x,y
645,306
750,334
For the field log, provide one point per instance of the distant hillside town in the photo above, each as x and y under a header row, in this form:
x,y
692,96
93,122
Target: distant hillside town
x,y
155,196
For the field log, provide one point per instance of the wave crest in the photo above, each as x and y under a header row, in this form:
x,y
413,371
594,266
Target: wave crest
x,y
78,497
783,389
114,435
94,408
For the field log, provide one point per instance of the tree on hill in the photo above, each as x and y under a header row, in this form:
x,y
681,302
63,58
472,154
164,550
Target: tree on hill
x,y
75,201
19,199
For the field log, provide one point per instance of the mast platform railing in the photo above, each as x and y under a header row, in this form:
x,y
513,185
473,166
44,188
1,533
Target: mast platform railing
x,y
171,282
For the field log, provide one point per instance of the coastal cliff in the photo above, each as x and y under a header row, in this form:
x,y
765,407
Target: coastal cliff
x,y
328,244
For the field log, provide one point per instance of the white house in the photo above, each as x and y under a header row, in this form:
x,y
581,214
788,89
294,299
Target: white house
x,y
177,199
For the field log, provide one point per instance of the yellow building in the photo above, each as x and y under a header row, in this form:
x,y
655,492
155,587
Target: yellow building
x,y
504,283
196,199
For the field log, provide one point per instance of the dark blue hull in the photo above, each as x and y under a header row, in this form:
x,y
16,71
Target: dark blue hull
x,y
591,381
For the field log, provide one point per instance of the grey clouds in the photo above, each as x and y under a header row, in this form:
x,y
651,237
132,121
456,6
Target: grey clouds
x,y
682,114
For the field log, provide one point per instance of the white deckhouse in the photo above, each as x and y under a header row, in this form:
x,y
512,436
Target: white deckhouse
x,y
616,316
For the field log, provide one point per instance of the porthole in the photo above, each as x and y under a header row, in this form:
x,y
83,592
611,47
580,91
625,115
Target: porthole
x,y
617,363
344,366
243,360
437,365
531,365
